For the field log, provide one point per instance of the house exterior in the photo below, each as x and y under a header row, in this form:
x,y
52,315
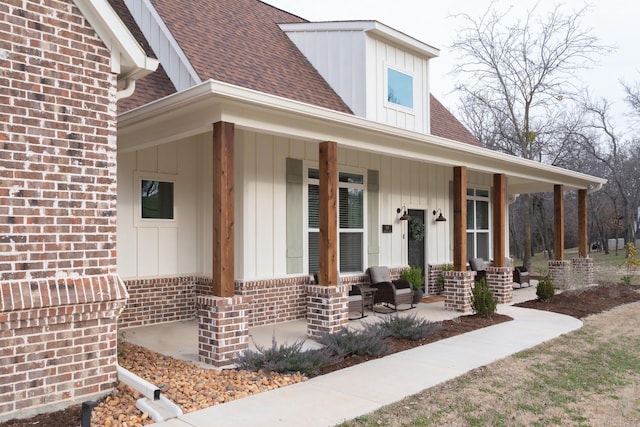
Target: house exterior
x,y
264,149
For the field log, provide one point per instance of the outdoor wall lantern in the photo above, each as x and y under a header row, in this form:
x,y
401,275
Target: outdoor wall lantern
x,y
405,216
440,218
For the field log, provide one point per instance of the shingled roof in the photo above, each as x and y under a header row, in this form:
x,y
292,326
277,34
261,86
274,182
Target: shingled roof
x,y
239,42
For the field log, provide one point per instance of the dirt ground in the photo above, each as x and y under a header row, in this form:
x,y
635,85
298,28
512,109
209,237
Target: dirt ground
x,y
116,407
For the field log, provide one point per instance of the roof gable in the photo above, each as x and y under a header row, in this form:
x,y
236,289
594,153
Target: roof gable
x,y
445,125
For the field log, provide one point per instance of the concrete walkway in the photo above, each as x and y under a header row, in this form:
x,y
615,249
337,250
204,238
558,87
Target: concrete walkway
x,y
330,399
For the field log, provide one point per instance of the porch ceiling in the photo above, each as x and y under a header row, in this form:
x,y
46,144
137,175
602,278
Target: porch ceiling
x,y
193,111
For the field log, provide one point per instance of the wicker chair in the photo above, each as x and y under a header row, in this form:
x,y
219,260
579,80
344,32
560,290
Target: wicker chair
x,y
477,265
390,292
521,276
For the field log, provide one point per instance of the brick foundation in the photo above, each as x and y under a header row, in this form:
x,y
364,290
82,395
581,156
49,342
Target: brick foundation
x,y
275,300
582,272
58,343
327,309
223,331
457,290
158,300
500,280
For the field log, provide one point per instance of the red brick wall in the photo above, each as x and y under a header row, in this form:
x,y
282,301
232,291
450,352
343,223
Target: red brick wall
x,y
60,295
159,300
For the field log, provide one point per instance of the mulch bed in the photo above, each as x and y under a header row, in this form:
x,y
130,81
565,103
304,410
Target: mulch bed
x,y
579,304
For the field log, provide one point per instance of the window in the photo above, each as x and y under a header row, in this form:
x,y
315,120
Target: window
x,y
350,221
478,242
156,199
399,88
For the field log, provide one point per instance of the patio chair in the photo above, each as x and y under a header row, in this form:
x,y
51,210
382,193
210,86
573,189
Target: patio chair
x,y
390,292
521,276
477,265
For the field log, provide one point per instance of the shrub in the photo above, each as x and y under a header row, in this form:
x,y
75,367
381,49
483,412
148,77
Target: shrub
x,y
408,327
482,300
414,276
284,358
545,289
346,342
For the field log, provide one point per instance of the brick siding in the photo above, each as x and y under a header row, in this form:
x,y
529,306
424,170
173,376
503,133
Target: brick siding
x,y
60,294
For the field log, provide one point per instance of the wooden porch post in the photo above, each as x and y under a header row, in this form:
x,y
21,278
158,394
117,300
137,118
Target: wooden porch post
x,y
460,218
558,220
328,214
583,245
223,215
499,219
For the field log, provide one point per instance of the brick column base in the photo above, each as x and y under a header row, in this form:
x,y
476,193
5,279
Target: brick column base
x,y
500,280
223,331
582,272
560,273
327,309
457,290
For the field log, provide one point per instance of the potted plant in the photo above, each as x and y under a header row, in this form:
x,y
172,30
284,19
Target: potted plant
x,y
414,276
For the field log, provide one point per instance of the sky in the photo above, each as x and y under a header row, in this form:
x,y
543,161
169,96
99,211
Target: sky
x,y
614,22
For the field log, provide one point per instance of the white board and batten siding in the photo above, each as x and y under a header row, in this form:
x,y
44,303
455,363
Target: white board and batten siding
x,y
183,246
152,248
354,57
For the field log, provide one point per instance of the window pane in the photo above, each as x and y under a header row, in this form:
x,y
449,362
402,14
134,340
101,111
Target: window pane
x,y
351,212
314,174
471,246
482,193
350,178
314,206
483,245
399,88
470,215
157,199
482,215
471,192
350,252
314,252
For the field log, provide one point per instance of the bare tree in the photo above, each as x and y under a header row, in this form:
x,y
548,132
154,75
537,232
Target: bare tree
x,y
521,76
621,160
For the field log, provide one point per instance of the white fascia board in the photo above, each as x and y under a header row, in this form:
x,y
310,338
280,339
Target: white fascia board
x,y
132,63
194,111
374,27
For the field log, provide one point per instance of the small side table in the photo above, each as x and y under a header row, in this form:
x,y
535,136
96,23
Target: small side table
x,y
368,294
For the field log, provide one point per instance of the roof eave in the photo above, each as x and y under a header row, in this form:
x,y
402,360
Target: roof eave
x,y
193,112
129,60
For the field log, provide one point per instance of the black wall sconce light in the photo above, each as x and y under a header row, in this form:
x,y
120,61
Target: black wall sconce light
x,y
440,218
405,216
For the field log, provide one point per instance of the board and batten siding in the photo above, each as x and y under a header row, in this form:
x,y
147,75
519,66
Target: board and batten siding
x,y
262,195
380,56
339,57
148,248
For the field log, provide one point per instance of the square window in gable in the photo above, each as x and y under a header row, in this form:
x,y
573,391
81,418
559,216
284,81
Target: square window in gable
x,y
399,88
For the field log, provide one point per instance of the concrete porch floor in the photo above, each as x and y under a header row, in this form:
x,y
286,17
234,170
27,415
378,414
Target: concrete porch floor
x,y
180,339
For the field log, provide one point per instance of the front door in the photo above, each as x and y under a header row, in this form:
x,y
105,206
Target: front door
x,y
416,241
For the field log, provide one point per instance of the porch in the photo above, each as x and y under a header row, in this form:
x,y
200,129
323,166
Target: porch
x,y
179,339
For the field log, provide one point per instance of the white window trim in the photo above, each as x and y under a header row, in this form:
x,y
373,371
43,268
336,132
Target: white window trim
x,y
489,230
140,222
393,105
305,212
